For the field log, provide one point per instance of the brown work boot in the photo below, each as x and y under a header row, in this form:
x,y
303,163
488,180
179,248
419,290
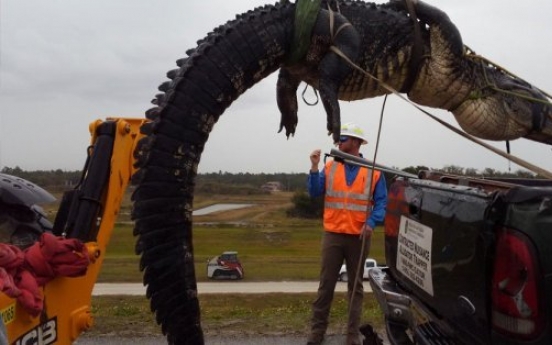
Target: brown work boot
x,y
370,336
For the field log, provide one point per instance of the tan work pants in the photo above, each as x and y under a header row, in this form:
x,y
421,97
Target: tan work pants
x,y
335,249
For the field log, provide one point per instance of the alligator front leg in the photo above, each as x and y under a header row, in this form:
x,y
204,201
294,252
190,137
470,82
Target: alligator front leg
x,y
286,97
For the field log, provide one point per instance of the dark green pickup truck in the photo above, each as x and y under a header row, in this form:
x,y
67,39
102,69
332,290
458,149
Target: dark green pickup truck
x,y
469,261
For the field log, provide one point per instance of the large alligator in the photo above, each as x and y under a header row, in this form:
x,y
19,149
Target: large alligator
x,y
415,51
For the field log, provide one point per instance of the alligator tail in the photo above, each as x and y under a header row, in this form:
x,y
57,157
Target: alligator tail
x,y
226,63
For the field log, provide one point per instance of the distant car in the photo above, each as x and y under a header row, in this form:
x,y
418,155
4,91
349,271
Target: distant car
x,y
368,265
225,266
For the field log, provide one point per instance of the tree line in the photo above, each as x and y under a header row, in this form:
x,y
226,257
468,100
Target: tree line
x,y
250,184
221,182
245,183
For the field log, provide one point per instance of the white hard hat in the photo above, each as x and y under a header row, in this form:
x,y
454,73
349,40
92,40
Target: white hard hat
x,y
353,130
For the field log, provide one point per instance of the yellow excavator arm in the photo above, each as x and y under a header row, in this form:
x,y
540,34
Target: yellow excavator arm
x,y
87,213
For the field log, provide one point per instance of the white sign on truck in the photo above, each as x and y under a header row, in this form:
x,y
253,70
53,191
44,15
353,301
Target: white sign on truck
x,y
414,253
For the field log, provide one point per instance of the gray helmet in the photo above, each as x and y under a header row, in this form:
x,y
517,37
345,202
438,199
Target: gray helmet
x,y
22,220
18,191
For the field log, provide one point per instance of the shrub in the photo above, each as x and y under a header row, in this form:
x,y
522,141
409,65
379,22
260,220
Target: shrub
x,y
306,207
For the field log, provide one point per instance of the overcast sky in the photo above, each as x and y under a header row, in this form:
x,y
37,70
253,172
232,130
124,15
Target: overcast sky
x,y
64,64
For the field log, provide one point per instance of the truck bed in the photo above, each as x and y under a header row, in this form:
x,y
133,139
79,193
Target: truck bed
x,y
440,243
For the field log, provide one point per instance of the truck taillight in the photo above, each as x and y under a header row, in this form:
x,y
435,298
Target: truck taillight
x,y
517,296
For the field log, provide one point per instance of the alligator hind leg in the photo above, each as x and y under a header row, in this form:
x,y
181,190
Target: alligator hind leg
x,y
286,97
328,95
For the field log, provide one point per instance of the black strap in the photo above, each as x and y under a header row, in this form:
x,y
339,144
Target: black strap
x,y
417,51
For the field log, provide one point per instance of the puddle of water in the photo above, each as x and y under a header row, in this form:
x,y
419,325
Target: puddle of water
x,y
218,208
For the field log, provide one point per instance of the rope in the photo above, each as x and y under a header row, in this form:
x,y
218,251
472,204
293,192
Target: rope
x,y
415,65
305,100
513,158
360,264
519,161
471,54
305,10
507,92
415,62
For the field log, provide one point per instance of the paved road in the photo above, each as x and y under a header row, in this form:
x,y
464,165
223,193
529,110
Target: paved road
x,y
218,287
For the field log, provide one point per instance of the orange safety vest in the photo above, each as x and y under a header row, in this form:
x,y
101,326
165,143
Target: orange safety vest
x,y
346,207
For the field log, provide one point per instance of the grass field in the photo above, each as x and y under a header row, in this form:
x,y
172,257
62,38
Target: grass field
x,y
271,247
291,251
262,234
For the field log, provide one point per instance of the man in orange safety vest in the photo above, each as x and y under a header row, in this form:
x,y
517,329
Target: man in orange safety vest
x,y
355,199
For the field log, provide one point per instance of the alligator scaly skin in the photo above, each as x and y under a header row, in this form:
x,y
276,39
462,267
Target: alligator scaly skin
x,y
240,53
225,64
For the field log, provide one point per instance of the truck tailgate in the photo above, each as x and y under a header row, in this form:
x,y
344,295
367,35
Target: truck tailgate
x,y
437,245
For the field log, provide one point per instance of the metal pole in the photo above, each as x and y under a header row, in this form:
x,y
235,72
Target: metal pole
x,y
350,159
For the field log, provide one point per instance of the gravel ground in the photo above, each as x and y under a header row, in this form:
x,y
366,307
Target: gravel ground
x,y
212,340
222,339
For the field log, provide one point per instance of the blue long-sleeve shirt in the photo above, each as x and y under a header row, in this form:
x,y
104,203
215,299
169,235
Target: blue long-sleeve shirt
x,y
316,186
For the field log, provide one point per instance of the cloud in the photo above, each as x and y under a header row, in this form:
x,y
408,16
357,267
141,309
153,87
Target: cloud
x,y
64,64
